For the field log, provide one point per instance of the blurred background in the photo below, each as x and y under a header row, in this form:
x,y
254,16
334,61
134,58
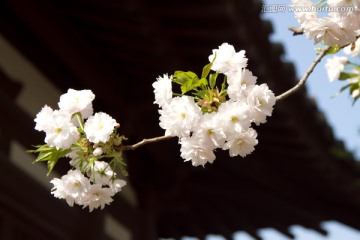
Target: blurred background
x,y
299,177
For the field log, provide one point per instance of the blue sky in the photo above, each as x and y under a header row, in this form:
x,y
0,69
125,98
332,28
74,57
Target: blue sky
x,y
341,115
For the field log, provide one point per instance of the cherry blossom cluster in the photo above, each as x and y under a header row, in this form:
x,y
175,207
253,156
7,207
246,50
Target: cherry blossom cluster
x,y
344,68
89,141
205,117
340,27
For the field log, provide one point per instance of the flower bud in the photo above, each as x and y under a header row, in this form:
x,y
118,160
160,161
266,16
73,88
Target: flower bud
x,y
355,93
98,151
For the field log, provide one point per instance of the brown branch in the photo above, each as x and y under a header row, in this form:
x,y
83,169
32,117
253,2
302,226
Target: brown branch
x,y
305,77
144,142
296,30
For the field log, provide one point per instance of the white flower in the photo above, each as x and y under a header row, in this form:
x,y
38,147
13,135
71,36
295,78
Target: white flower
x,y
261,101
97,196
194,149
242,143
327,31
239,82
58,190
102,173
61,133
227,59
349,23
353,50
180,117
163,90
345,3
303,17
116,185
234,116
99,127
72,187
44,118
211,131
334,66
77,101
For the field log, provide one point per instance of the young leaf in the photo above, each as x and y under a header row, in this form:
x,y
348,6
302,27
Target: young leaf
x,y
182,78
193,84
207,68
51,164
346,75
49,154
212,80
223,85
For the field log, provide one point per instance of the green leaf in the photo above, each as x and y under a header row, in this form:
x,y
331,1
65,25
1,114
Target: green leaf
x,y
345,87
223,85
346,75
182,78
207,68
119,162
43,156
212,80
51,164
193,85
353,87
49,154
201,94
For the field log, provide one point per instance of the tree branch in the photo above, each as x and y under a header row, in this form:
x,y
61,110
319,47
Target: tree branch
x,y
305,77
144,142
296,30
279,97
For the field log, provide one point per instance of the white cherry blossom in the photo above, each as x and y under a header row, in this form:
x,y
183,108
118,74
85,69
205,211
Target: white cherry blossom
x,y
234,116
227,59
180,117
72,187
242,143
77,101
97,196
163,90
334,66
239,82
44,118
195,150
99,127
261,101
211,130
61,133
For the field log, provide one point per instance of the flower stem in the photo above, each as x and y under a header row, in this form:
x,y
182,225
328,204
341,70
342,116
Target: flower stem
x,y
80,120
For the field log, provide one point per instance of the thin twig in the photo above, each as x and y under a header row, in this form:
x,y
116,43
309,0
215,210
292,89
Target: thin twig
x,y
144,142
296,30
305,77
